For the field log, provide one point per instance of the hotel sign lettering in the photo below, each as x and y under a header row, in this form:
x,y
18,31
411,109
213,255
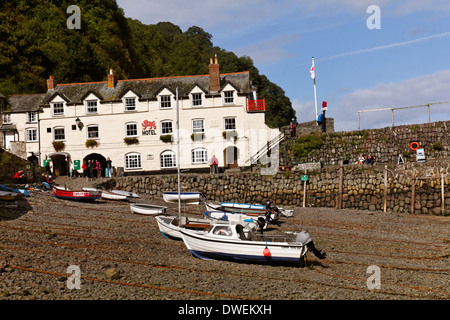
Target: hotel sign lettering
x,y
149,128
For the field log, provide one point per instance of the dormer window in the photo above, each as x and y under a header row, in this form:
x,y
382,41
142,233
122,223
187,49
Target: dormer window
x,y
165,102
91,106
196,99
57,109
228,97
130,104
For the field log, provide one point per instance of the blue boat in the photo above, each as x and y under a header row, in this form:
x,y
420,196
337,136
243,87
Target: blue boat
x,y
26,193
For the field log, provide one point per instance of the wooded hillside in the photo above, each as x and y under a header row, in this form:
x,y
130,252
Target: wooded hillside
x,y
36,43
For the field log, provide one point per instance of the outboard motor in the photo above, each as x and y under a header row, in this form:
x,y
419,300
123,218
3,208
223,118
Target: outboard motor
x,y
304,238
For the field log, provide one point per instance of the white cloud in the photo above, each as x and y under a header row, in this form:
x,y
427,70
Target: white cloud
x,y
413,92
388,46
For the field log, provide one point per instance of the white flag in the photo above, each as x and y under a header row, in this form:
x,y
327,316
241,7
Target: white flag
x,y
313,74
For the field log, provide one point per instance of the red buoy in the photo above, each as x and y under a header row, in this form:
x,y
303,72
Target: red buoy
x,y
266,252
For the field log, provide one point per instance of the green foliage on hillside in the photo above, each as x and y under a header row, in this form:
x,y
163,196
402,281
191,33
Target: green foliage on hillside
x,y
36,43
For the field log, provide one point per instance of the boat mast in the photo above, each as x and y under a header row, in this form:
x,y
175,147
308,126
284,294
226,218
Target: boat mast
x,y
178,158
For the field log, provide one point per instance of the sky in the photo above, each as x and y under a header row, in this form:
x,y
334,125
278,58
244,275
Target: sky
x,y
368,54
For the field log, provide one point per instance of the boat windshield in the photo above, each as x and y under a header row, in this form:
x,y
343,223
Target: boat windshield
x,y
222,231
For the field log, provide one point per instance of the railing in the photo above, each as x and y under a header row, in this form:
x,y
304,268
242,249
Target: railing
x,y
256,105
263,151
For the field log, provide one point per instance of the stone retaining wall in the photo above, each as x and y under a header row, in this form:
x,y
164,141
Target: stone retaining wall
x,y
362,187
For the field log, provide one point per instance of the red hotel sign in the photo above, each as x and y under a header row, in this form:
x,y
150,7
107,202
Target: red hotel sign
x,y
149,128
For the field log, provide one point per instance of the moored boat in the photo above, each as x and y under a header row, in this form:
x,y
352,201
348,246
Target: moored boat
x,y
24,192
249,209
185,197
147,209
9,196
76,195
127,193
170,226
228,242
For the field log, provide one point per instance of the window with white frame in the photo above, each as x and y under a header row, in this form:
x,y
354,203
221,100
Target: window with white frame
x,y
7,118
228,97
131,130
166,127
31,117
230,124
198,125
168,159
196,99
199,155
57,109
165,102
92,132
133,161
91,106
59,134
32,135
130,104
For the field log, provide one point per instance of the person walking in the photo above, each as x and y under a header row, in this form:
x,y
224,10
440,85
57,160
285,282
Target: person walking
x,y
108,172
98,169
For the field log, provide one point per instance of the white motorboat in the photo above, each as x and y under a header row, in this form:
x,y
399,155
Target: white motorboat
x,y
228,242
127,193
147,209
185,197
170,226
249,209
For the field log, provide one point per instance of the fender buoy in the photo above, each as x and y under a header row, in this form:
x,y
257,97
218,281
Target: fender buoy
x,y
414,146
266,252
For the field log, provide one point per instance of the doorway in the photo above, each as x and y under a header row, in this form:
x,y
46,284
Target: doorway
x,y
61,164
97,157
231,155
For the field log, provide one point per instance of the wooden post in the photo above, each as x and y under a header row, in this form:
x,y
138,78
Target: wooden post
x,y
341,178
442,194
385,189
413,193
304,191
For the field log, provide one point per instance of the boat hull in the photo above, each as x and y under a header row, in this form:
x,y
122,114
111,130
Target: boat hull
x,y
76,195
9,196
185,197
147,209
206,247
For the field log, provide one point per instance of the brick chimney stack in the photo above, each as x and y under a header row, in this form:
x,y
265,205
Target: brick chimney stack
x,y
51,83
111,79
214,75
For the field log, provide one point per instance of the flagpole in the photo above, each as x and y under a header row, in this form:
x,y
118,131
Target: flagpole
x,y
315,90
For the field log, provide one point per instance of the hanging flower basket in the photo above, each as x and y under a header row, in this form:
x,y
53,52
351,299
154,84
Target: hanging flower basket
x,y
91,143
58,145
197,136
131,140
166,138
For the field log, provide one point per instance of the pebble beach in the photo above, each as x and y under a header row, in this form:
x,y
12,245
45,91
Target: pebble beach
x,y
122,256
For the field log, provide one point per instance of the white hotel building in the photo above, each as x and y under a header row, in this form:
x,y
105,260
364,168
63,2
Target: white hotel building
x,y
133,122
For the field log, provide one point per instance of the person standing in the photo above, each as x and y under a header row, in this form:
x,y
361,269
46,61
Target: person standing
x,y
98,167
108,172
215,164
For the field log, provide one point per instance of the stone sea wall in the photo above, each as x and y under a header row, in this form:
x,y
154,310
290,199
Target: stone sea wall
x,y
385,144
347,186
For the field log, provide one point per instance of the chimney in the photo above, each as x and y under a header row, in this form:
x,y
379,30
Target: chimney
x,y
51,83
111,79
214,75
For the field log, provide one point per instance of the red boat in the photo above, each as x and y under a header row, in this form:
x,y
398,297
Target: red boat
x,y
77,195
